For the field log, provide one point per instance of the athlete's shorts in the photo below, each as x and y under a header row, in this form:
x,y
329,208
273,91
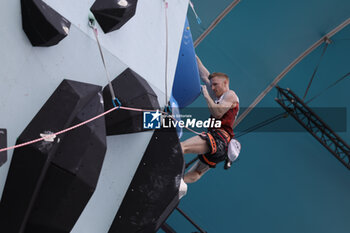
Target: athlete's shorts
x,y
217,141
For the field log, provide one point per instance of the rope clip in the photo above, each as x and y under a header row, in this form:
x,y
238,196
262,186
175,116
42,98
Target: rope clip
x,y
118,102
92,20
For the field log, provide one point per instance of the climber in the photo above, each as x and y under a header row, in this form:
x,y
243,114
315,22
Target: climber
x,y
223,105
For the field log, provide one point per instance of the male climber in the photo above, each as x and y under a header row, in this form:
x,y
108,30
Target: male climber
x,y
223,105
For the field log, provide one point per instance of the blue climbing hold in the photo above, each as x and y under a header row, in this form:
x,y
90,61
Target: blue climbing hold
x,y
186,87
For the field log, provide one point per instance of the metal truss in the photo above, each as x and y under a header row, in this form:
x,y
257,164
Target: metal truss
x,y
168,229
314,124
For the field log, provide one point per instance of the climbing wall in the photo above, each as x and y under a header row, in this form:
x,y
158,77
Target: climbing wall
x,y
30,75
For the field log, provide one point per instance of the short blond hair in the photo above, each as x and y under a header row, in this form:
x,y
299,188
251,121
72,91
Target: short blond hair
x,y
216,74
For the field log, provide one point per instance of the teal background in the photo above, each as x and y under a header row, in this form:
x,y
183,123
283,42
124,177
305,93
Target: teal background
x,y
283,182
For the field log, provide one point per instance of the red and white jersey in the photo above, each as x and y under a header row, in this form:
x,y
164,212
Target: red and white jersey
x,y
228,119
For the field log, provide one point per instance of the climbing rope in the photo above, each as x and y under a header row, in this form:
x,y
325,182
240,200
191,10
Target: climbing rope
x,y
189,129
199,21
53,135
166,53
49,136
92,24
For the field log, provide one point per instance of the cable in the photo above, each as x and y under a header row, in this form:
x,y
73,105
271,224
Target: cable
x,y
316,68
190,220
289,67
263,123
330,86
